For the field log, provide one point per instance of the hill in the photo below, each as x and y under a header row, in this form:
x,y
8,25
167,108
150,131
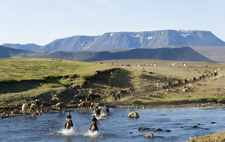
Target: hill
x,y
176,54
123,40
6,52
31,46
215,53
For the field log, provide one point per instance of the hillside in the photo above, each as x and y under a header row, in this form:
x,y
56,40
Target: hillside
x,y
6,52
31,47
215,53
123,40
176,54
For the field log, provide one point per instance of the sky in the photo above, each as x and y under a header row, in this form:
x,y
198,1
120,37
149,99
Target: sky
x,y
42,21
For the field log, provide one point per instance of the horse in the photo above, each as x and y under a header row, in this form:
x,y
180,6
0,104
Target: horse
x,y
132,90
169,84
25,107
106,108
32,105
79,97
97,111
174,64
94,96
85,104
116,96
93,127
68,124
159,86
60,106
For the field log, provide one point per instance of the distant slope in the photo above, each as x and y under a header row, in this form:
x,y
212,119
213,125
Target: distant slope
x,y
144,39
31,47
176,54
216,53
6,52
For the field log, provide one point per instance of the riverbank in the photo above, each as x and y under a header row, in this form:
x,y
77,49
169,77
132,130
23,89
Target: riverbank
x,y
216,137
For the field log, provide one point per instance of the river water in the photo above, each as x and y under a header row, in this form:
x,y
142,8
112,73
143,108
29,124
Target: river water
x,y
115,126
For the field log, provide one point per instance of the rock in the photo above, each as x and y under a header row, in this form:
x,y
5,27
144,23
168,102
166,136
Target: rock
x,y
150,136
211,122
143,128
158,129
194,126
167,130
133,115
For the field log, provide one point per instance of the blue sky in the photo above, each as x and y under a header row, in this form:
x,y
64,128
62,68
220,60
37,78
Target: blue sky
x,y
41,21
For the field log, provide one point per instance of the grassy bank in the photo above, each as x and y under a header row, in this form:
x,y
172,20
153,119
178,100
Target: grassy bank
x,y
216,137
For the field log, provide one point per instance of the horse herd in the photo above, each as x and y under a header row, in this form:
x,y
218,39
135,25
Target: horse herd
x,y
32,106
207,74
36,106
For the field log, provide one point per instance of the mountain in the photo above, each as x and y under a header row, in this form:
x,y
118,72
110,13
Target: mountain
x,y
6,52
31,46
144,39
176,54
75,43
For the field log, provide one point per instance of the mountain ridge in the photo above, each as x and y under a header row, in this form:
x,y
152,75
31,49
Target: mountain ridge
x,y
168,53
141,39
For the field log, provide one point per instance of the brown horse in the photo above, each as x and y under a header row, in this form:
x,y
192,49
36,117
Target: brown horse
x,y
93,127
86,104
68,124
97,111
60,106
94,96
79,97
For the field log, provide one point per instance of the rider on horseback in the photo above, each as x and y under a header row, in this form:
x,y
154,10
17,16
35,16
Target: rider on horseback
x,y
94,118
69,120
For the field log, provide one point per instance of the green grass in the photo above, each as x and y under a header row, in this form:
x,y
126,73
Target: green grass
x,y
28,69
23,80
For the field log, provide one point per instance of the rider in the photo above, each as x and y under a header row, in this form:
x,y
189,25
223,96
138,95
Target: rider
x,y
94,118
107,108
68,118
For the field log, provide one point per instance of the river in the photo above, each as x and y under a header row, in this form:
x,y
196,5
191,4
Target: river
x,y
115,126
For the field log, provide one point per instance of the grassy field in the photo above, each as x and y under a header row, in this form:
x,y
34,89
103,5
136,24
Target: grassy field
x,y
23,80
53,80
27,69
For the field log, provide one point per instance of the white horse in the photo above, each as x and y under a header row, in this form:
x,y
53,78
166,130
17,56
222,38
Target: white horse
x,y
159,86
25,107
174,64
184,64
